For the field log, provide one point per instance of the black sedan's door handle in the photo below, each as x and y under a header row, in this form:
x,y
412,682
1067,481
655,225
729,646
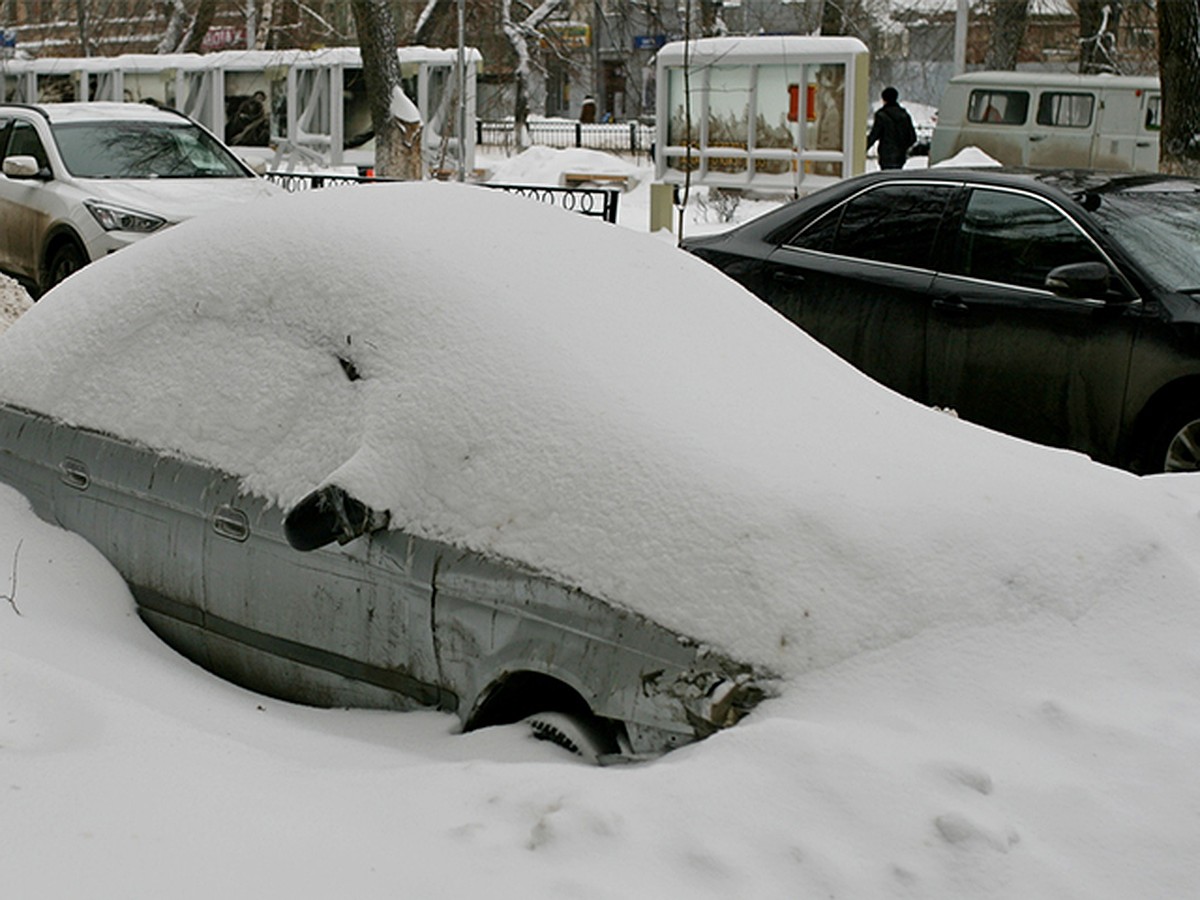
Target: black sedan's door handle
x,y
791,279
951,305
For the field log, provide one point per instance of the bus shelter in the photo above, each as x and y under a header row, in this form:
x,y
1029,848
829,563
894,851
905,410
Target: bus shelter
x,y
298,107
772,114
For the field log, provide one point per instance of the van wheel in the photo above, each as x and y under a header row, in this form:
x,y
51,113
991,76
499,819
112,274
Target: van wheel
x,y
1174,446
586,737
67,259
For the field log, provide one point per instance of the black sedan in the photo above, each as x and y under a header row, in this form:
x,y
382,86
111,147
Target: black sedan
x,y
1058,306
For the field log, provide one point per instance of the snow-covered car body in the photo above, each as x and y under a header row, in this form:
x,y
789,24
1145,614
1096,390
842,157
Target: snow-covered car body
x,y
227,498
389,620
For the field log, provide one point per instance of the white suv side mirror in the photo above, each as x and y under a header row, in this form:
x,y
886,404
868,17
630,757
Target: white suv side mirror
x,y
21,167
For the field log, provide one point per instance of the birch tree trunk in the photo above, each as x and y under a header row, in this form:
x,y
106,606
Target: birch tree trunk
x,y
520,35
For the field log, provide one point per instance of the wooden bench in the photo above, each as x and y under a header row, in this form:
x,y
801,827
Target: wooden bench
x,y
582,179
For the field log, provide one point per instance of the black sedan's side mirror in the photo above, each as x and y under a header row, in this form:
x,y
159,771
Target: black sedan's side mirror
x,y
1079,280
329,514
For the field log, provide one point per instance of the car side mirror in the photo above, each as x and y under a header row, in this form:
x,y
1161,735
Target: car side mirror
x,y
22,167
1079,280
329,514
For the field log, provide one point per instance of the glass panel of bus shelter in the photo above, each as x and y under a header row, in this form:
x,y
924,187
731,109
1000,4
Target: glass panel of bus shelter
x,y
56,89
677,120
441,130
728,116
826,86
778,102
247,108
153,87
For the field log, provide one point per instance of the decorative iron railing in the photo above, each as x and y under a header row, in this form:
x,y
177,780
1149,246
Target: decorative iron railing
x,y
599,202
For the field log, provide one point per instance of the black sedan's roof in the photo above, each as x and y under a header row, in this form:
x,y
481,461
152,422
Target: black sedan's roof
x,y
1060,184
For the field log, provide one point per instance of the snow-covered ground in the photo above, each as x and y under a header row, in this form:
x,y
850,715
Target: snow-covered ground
x,y
1023,721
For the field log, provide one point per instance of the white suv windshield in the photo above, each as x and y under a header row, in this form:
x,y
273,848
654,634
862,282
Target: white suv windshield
x,y
133,149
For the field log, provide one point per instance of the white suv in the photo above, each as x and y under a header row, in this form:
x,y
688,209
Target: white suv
x,y
81,180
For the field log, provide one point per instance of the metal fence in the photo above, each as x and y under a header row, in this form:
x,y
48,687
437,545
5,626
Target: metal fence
x,y
599,202
618,137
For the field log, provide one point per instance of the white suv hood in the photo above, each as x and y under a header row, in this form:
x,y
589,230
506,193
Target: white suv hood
x,y
176,199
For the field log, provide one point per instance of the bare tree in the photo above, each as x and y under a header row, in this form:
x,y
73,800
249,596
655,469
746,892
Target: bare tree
x,y
393,116
193,41
521,34
177,23
1178,50
1008,21
1098,20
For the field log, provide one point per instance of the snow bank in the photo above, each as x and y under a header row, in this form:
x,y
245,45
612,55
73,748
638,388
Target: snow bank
x,y
622,417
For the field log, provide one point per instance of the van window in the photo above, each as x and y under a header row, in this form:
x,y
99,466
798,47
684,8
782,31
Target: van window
x,y
998,107
1154,113
1065,110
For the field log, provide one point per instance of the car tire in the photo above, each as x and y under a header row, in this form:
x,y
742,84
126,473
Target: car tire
x,y
67,258
1174,445
586,737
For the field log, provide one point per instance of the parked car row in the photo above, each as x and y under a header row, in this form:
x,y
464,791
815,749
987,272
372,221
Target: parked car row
x,y
1060,307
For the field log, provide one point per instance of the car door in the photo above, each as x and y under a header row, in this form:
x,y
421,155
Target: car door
x,y
858,278
1006,352
22,204
343,624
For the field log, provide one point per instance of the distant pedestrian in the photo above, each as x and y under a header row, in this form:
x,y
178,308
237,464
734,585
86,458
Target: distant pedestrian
x,y
893,129
587,112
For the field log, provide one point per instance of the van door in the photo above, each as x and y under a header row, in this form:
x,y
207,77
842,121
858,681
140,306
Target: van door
x,y
1063,128
1149,124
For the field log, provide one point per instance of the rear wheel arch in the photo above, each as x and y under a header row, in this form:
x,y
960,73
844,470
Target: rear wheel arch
x,y
554,710
1171,408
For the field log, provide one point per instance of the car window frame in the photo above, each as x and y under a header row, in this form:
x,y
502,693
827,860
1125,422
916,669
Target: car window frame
x,y
936,258
1130,295
10,132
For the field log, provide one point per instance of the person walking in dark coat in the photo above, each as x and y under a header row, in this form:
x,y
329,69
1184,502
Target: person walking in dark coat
x,y
893,129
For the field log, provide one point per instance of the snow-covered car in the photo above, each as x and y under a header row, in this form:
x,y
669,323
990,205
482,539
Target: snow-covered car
x,y
81,180
393,466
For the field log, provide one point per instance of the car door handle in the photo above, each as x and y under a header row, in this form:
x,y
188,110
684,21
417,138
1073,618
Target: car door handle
x,y
1143,144
951,305
74,473
232,523
1038,137
792,279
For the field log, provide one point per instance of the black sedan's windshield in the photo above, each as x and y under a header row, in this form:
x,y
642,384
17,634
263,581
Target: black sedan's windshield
x,y
132,149
1159,225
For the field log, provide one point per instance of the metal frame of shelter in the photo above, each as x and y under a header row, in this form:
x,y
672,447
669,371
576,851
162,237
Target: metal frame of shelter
x,y
300,121
775,113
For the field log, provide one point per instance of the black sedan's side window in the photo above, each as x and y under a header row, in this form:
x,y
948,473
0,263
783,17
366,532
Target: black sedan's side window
x,y
1017,239
895,223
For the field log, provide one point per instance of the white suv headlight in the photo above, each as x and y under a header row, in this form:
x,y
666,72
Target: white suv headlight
x,y
118,218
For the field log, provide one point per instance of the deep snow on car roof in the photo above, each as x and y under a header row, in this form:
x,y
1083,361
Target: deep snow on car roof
x,y
590,402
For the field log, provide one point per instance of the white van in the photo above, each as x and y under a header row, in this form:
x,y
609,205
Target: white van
x,y
1041,119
